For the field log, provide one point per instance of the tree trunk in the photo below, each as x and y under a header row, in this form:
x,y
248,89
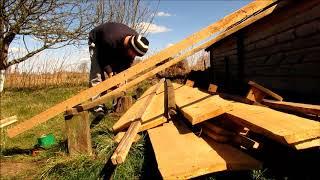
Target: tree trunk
x,y
2,78
3,62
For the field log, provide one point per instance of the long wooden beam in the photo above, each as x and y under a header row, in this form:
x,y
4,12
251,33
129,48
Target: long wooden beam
x,y
291,106
173,62
122,150
190,41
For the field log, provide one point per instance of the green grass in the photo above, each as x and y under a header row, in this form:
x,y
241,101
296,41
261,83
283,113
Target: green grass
x,y
54,163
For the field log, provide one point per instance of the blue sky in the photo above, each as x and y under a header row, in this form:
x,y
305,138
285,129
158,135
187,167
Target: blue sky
x,y
186,17
175,20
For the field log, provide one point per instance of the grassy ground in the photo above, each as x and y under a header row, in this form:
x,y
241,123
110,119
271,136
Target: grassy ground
x,y
17,161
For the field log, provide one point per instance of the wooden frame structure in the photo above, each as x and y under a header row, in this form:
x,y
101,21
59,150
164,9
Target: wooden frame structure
x,y
227,25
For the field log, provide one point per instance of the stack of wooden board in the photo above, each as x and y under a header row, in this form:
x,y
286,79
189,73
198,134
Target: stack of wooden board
x,y
181,154
288,129
144,114
153,116
198,106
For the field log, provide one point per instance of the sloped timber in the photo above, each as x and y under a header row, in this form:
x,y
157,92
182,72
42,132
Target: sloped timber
x,y
282,127
153,115
223,24
180,154
198,106
265,91
291,106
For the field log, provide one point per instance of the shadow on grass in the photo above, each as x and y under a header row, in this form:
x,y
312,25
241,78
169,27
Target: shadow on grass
x,y
107,171
60,146
16,151
150,166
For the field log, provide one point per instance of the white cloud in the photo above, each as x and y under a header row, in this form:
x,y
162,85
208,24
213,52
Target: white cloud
x,y
163,14
170,44
153,28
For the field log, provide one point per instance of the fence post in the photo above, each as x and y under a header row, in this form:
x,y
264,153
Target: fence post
x,y
78,133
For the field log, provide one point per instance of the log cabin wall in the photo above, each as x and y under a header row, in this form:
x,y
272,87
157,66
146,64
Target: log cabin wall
x,y
280,51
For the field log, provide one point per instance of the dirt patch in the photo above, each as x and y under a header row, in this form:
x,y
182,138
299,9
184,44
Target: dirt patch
x,y
12,168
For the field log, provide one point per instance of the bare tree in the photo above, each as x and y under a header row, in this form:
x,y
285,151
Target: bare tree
x,y
58,23
130,12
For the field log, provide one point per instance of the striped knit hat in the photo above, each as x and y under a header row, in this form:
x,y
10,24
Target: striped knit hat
x,y
140,44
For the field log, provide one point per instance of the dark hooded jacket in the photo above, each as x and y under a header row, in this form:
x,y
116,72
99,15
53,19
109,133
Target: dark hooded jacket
x,y
108,39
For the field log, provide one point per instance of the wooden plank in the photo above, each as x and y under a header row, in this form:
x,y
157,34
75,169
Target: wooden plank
x,y
189,83
255,94
190,41
291,106
282,127
198,106
307,144
212,88
215,136
120,135
180,154
120,145
153,115
7,121
224,136
265,90
122,154
218,129
135,120
78,134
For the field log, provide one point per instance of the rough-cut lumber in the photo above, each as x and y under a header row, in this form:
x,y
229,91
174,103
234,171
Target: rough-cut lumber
x,y
180,154
122,154
224,136
198,106
226,22
78,134
189,83
120,135
153,115
135,124
218,129
7,121
291,106
212,88
282,127
215,136
258,92
121,144
307,144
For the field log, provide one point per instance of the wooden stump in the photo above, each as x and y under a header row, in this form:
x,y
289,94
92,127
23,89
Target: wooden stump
x,y
123,104
78,133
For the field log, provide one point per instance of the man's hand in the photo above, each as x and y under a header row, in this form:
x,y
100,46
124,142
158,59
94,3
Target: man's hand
x,y
108,70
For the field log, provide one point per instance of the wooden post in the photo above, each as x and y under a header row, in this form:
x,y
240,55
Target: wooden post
x,y
78,133
169,100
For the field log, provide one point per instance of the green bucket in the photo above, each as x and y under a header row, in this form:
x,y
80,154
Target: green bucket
x,y
46,141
